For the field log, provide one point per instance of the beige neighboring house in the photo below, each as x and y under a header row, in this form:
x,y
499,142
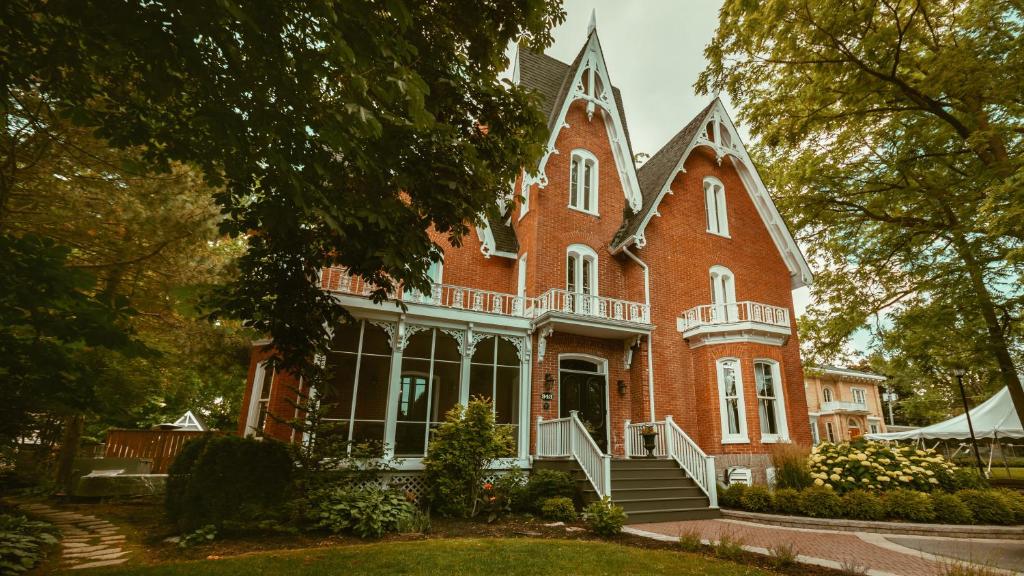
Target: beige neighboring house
x,y
842,403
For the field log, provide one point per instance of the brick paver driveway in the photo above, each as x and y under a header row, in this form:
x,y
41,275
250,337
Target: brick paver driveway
x,y
862,552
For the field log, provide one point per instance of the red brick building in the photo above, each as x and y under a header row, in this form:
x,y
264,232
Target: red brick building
x,y
627,296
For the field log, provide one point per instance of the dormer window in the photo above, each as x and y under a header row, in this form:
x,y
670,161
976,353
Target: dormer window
x,y
714,204
583,182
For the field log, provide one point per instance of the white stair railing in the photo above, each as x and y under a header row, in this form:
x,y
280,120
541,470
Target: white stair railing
x,y
697,464
553,437
595,464
635,440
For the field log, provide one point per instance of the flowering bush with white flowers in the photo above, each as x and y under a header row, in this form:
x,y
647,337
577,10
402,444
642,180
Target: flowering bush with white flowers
x,y
878,467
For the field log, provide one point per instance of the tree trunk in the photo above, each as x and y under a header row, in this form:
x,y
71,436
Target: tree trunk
x,y
996,336
73,426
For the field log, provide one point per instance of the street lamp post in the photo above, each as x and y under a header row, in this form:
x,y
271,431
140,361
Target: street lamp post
x,y
967,412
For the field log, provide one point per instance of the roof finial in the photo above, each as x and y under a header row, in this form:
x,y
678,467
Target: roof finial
x,y
593,21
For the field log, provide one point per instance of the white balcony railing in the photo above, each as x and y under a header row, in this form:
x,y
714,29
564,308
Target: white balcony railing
x,y
460,297
588,305
844,406
722,314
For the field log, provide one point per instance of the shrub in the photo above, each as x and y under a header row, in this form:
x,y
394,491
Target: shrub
x,y
511,487
731,496
232,480
204,535
23,542
966,479
729,547
544,484
988,506
368,512
908,505
179,473
782,554
879,467
757,499
949,509
461,452
1015,501
604,517
820,503
862,505
790,463
559,508
786,501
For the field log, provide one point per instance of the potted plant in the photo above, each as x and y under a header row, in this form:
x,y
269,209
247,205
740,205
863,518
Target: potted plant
x,y
650,434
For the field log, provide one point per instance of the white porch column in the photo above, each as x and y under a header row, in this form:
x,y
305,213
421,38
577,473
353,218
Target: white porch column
x,y
394,388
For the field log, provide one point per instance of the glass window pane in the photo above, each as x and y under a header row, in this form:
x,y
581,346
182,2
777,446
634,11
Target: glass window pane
x,y
368,439
410,438
412,394
446,348
508,355
732,406
375,340
574,182
445,393
579,365
372,395
481,380
336,398
419,345
267,383
570,273
506,405
730,381
587,266
484,353
587,175
346,337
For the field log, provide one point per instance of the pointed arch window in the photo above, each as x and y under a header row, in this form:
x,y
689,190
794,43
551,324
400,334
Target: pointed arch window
x,y
583,181
714,204
723,295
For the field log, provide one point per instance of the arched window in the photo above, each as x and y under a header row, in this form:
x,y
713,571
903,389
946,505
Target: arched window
x,y
583,181
714,204
854,427
730,391
827,394
581,269
723,295
771,405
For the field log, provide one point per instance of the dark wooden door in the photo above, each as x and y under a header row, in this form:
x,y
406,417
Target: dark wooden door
x,y
585,393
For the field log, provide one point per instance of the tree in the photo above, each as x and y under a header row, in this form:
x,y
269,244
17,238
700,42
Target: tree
x,y
893,132
339,132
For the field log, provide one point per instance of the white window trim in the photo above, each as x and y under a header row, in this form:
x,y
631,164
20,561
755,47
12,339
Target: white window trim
x,y
827,395
721,212
864,395
582,251
254,400
782,423
727,438
585,156
830,432
815,433
524,205
727,307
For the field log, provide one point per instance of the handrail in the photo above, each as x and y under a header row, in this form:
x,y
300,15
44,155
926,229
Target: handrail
x,y
635,442
732,312
596,465
697,464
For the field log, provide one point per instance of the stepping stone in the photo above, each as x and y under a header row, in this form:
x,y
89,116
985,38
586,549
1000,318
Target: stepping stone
x,y
112,538
73,544
88,550
99,564
108,556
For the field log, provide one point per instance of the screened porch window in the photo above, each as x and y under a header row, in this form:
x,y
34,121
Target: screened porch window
x,y
355,399
428,389
494,375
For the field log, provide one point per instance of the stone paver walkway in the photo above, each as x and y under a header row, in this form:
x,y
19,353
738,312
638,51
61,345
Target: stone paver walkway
x,y
858,552
86,541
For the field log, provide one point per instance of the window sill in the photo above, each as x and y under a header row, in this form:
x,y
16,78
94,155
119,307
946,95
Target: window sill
x,y
587,212
719,234
774,439
736,440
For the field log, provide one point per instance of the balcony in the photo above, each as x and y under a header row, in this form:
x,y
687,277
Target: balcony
x,y
843,407
735,322
558,309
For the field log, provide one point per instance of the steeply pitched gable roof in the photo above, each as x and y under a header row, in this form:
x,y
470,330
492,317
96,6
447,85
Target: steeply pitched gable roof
x,y
504,235
654,174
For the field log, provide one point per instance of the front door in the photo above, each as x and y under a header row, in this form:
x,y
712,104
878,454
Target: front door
x,y
582,388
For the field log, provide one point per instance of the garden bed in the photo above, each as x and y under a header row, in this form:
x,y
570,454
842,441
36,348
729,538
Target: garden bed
x,y
903,528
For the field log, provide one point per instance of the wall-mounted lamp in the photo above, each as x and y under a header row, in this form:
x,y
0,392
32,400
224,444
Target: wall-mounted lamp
x,y
622,387
549,381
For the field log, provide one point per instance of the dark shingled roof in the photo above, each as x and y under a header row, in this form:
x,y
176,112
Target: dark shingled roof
x,y
656,171
504,236
552,79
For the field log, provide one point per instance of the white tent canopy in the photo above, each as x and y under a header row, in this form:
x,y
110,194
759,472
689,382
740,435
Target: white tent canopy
x,y
994,418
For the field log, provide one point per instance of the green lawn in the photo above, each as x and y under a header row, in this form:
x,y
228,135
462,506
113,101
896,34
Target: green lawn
x,y
507,557
1000,472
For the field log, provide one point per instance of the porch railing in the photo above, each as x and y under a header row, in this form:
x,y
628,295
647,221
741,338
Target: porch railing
x,y
460,297
675,444
565,437
575,303
716,314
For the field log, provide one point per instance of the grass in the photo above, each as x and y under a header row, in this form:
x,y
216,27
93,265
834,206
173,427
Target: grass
x,y
1000,472
508,557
